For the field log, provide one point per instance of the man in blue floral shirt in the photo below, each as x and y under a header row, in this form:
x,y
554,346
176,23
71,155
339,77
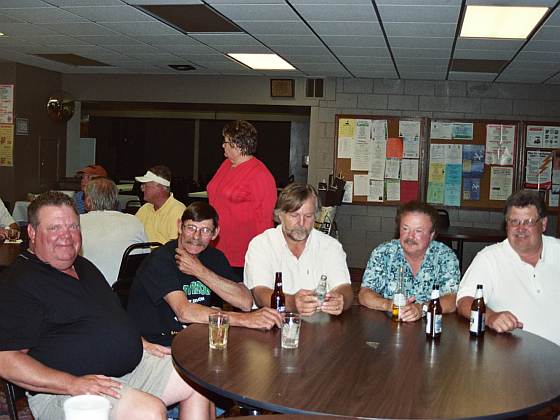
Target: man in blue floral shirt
x,y
424,262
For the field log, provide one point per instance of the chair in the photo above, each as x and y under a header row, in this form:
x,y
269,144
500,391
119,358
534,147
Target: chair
x,y
12,393
132,206
129,264
443,219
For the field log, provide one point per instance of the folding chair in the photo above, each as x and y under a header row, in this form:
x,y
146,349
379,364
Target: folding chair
x,y
129,264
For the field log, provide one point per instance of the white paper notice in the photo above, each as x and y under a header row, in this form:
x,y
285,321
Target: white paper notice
x,y
409,129
551,137
344,147
379,130
535,135
411,147
348,190
6,104
441,130
377,159
501,180
454,154
500,143
437,153
554,196
409,169
392,168
361,186
393,190
360,146
375,190
538,171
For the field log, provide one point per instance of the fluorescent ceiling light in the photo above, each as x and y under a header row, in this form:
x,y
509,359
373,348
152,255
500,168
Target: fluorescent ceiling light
x,y
1,34
262,61
500,21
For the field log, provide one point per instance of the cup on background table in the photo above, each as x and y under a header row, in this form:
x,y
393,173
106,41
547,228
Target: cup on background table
x,y
87,407
290,330
13,234
218,327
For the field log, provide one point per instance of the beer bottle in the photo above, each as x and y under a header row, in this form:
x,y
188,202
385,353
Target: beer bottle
x,y
277,299
399,298
321,289
434,315
478,313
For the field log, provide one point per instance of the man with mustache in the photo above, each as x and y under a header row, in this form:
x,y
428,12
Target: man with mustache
x,y
181,281
302,253
423,261
521,275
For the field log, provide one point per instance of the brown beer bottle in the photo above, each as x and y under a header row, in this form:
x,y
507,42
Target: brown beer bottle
x,y
478,313
277,299
434,315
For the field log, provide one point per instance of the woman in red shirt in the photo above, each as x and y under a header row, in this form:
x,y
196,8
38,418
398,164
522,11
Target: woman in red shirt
x,y
243,192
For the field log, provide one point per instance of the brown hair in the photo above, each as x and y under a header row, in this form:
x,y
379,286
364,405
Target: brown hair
x,y
50,198
526,198
293,196
417,207
242,134
199,211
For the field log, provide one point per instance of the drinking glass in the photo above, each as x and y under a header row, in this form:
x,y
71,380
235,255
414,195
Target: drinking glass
x,y
290,330
218,327
13,234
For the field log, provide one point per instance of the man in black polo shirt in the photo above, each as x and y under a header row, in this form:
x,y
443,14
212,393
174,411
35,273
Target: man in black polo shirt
x,y
179,282
63,333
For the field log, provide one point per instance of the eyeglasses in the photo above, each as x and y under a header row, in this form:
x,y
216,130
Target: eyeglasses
x,y
204,231
526,222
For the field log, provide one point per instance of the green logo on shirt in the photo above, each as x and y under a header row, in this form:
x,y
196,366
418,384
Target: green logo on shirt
x,y
196,288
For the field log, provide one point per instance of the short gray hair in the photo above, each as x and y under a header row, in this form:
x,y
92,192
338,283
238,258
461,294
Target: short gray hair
x,y
293,196
102,193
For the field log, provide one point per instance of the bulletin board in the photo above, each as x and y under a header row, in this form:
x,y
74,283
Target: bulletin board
x,y
381,158
540,159
472,163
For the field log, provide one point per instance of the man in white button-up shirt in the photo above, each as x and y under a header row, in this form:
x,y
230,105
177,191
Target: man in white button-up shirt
x,y
521,275
302,253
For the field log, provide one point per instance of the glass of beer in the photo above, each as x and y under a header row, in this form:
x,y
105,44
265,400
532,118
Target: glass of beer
x,y
218,327
290,330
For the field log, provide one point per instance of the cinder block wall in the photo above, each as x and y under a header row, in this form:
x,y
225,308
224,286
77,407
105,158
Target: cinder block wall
x,y
361,227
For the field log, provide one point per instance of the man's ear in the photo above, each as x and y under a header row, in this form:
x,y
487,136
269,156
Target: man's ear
x,y
87,202
31,233
216,233
179,226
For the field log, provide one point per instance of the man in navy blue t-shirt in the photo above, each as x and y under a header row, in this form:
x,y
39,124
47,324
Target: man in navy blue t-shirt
x,y
181,281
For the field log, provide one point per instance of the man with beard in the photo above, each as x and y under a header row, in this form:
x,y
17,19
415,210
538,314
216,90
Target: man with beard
x,y
424,263
180,282
302,254
521,275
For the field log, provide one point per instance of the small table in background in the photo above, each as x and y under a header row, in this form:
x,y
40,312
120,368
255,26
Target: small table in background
x,y
468,234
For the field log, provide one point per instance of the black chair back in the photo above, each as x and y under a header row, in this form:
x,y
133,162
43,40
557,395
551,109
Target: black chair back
x,y
12,393
443,219
129,265
132,206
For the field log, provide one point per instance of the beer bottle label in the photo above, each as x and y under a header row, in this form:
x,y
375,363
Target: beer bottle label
x,y
477,323
433,321
438,318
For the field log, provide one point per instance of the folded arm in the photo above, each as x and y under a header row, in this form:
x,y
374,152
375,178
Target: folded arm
x,y
503,321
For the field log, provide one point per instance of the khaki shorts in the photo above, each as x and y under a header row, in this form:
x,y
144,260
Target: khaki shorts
x,y
151,376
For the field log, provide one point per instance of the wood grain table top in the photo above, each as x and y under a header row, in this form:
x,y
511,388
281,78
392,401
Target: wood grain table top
x,y
362,364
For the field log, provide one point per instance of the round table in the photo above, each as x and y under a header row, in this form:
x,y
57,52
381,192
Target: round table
x,y
362,364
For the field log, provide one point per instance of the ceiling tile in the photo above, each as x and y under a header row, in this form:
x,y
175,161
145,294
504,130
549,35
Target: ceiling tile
x,y
78,29
110,13
347,28
295,40
544,46
420,42
8,4
114,39
484,54
420,29
257,12
337,12
239,39
310,59
454,75
419,13
422,52
167,40
489,44
276,28
539,57
293,50
42,15
190,49
354,41
141,28
369,60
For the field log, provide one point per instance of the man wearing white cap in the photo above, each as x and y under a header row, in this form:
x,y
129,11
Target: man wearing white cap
x,y
161,211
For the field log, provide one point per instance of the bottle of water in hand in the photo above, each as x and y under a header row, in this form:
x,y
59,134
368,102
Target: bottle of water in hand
x,y
321,290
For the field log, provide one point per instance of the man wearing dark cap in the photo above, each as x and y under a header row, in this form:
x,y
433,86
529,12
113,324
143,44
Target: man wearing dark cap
x,y
161,211
85,174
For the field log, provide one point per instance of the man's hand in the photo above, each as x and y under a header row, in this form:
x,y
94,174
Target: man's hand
x,y
155,349
503,321
95,385
306,302
189,264
333,304
265,318
412,311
